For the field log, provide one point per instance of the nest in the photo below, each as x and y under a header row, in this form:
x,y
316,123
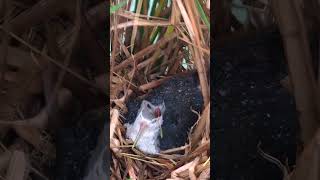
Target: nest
x,y
145,52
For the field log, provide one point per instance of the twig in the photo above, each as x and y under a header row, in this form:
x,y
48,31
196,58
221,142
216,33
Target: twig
x,y
41,11
143,52
76,75
5,39
274,160
201,48
131,15
141,131
141,22
207,161
38,173
151,162
114,45
153,84
67,60
124,79
30,166
175,149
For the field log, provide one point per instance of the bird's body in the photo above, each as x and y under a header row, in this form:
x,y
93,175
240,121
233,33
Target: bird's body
x,y
145,129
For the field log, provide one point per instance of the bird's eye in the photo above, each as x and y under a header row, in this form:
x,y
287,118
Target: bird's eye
x,y
148,106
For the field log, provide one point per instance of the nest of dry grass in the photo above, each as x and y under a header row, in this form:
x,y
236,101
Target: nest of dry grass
x,y
148,48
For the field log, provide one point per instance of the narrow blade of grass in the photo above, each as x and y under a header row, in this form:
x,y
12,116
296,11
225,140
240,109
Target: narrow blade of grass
x,y
117,6
203,16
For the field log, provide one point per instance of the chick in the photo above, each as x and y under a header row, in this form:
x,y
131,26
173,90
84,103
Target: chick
x,y
145,130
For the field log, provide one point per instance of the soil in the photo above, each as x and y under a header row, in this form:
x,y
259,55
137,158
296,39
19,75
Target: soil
x,y
75,145
250,105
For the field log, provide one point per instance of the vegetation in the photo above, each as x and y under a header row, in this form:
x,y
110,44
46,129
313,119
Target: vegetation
x,y
151,41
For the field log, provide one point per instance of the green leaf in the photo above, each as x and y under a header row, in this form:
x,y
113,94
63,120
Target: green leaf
x,y
157,11
169,31
159,8
152,5
203,16
154,34
134,4
117,6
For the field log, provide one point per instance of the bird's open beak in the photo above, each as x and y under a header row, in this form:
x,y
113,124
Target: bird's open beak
x,y
157,112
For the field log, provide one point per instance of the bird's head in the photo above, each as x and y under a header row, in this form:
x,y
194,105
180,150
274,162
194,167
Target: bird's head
x,y
150,111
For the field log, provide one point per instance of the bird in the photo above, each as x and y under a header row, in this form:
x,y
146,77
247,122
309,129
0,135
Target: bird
x,y
145,130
